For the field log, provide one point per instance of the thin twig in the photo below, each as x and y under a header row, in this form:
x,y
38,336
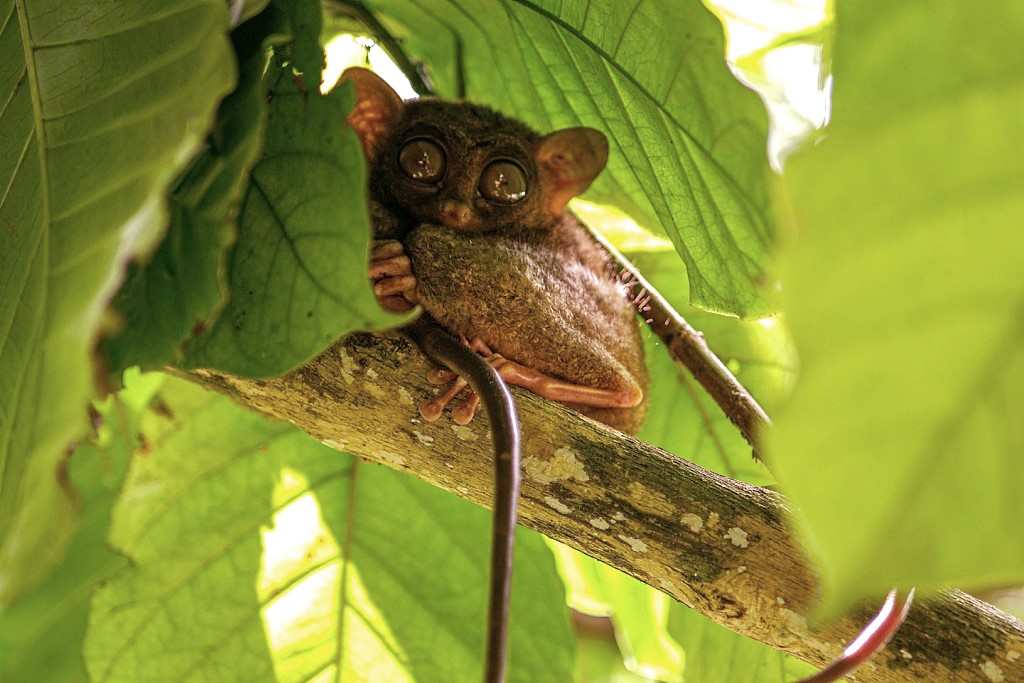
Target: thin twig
x,y
687,346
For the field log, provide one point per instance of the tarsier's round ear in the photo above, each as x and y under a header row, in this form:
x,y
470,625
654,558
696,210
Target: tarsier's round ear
x,y
377,107
569,160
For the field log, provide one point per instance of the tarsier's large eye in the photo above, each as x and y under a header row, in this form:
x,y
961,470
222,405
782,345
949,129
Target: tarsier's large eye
x,y
422,160
503,181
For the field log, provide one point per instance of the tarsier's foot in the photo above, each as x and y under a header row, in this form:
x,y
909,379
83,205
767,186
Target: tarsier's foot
x,y
528,378
391,272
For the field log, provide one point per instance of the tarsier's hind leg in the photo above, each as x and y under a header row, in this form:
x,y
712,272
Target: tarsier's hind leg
x,y
520,375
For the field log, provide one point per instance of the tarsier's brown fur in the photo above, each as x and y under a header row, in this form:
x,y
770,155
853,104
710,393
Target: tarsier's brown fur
x,y
527,279
520,293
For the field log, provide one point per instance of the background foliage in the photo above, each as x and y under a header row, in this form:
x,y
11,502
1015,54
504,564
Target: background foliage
x,y
175,189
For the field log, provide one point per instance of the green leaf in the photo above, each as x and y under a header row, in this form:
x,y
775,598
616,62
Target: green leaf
x,y
687,140
901,447
306,20
183,287
298,273
714,654
41,634
100,107
260,555
682,417
639,612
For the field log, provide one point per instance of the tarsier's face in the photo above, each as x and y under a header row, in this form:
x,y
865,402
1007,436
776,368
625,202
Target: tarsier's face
x,y
461,166
465,166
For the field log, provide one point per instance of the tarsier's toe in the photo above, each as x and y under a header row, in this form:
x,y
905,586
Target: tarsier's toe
x,y
463,413
431,410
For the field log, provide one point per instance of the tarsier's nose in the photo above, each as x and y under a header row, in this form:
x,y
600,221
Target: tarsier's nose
x,y
455,214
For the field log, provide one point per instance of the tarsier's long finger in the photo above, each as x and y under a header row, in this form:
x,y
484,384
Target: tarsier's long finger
x,y
397,304
386,249
557,390
396,265
394,285
432,409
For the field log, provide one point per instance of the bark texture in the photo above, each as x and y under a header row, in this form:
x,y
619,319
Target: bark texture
x,y
715,544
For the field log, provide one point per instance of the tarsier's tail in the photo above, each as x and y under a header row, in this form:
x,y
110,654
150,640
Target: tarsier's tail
x,y
443,348
869,641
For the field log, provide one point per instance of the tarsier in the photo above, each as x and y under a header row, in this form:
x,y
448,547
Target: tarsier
x,y
470,222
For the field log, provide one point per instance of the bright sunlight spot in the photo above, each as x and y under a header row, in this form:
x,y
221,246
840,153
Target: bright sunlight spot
x,y
301,585
347,50
299,579
618,228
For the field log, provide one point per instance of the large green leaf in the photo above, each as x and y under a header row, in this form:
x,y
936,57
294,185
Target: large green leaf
x,y
902,446
261,555
298,273
639,612
41,635
101,104
687,140
183,287
714,654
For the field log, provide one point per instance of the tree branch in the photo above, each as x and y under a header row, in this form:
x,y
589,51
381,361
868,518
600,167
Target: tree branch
x,y
717,545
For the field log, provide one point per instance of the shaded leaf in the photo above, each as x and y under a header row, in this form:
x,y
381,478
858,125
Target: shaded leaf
x,y
901,447
639,612
41,634
714,654
687,140
302,563
100,106
305,17
183,286
298,273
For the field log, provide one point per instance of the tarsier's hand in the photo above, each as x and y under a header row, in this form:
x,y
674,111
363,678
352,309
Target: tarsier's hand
x,y
391,272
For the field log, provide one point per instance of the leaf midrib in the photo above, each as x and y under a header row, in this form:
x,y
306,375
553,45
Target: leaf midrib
x,y
37,109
